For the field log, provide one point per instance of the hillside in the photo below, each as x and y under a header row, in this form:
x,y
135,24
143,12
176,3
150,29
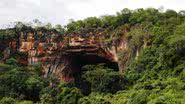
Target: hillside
x,y
133,57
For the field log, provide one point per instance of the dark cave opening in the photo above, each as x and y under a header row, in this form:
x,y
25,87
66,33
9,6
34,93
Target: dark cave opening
x,y
78,61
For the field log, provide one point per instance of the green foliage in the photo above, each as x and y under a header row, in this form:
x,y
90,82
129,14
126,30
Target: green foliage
x,y
12,62
7,100
108,21
34,85
12,82
60,29
75,26
101,79
20,83
92,22
64,93
69,95
46,99
155,76
25,102
94,98
37,68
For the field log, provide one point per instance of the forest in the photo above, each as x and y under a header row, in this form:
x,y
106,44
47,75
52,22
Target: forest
x,y
151,69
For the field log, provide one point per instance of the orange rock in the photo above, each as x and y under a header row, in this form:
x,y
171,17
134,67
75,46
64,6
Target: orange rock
x,y
41,48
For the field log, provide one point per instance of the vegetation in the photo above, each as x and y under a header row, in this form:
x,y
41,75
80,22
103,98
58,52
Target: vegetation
x,y
154,73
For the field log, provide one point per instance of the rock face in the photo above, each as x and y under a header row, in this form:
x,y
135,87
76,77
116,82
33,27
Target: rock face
x,y
64,57
75,52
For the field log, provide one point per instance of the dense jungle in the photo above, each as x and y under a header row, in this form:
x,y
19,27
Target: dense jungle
x,y
133,57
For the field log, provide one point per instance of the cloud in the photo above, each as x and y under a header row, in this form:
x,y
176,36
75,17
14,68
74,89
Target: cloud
x,y
60,11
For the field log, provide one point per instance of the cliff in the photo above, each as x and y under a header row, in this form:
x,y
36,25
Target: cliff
x,y
63,55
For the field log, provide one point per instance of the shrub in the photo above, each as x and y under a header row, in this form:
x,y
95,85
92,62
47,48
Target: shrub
x,y
7,100
102,78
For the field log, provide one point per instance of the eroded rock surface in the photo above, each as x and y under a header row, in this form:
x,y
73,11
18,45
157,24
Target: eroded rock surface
x,y
63,57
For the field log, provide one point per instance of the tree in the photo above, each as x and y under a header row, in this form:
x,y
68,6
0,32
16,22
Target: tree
x,y
37,22
7,100
48,26
101,79
108,21
59,28
122,17
64,93
69,95
170,13
19,25
92,22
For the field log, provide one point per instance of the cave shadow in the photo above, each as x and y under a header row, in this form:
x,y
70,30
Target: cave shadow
x,y
80,60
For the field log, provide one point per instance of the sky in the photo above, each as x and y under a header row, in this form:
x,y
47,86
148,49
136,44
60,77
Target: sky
x,y
61,11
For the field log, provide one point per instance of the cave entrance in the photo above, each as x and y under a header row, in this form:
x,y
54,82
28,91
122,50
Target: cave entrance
x,y
78,61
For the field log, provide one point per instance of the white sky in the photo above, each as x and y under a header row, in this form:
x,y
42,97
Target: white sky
x,y
60,11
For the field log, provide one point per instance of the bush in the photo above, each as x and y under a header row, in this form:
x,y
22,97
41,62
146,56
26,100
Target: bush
x,y
102,78
64,93
12,61
93,98
69,95
25,102
20,83
7,100
46,99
